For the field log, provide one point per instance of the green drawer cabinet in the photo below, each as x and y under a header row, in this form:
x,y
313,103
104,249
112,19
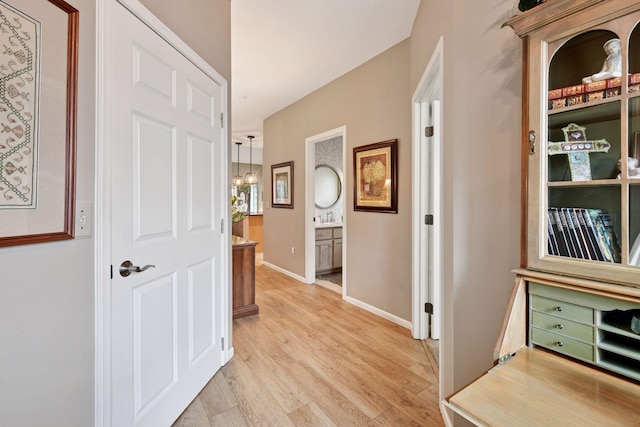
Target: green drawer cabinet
x,y
587,326
563,326
562,309
563,344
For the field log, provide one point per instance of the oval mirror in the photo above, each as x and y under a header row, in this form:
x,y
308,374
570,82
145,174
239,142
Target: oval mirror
x,y
328,186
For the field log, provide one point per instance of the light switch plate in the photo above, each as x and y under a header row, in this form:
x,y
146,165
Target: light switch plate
x,y
84,219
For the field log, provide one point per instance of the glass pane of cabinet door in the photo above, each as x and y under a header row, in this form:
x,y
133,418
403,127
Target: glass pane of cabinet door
x,y
633,142
586,171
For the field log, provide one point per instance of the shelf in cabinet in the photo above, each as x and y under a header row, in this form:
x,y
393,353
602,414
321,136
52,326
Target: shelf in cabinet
x,y
617,363
593,183
621,347
584,105
622,330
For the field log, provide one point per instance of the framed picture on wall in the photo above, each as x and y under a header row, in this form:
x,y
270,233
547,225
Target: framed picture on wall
x,y
282,185
376,178
38,74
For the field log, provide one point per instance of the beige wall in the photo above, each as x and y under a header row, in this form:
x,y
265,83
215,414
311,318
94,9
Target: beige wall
x,y
47,290
482,108
372,101
46,296
205,25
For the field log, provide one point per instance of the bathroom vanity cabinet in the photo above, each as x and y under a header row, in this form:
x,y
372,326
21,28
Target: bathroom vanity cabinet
x,y
328,249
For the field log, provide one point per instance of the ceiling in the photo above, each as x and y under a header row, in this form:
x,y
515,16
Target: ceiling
x,y
282,50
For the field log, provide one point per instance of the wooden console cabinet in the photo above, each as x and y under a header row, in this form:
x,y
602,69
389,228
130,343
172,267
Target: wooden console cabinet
x,y
244,277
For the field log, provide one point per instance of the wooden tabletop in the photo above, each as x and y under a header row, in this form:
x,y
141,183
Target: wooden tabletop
x,y
241,241
537,388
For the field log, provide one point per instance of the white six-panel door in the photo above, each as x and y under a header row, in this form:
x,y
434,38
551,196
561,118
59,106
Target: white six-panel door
x,y
166,137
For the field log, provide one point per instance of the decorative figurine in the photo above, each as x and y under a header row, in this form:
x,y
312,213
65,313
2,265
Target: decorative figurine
x,y
612,66
633,171
577,147
524,5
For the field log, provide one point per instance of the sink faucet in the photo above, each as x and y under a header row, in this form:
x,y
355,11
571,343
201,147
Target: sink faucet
x,y
330,217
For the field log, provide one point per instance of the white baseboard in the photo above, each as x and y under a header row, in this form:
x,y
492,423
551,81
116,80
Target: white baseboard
x,y
285,272
371,309
228,355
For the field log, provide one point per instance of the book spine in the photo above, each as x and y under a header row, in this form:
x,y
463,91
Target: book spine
x,y
614,82
573,90
575,234
591,233
563,240
601,234
584,234
555,93
611,237
552,243
595,86
570,239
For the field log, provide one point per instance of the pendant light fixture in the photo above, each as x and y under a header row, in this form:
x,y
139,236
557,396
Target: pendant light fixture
x,y
250,177
237,180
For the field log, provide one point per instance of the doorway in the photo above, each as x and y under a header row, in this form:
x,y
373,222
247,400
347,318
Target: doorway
x,y
325,210
427,207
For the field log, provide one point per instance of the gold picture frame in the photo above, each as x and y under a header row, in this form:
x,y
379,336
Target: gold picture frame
x,y
375,177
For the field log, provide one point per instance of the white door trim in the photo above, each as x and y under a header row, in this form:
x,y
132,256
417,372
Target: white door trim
x,y
429,89
102,258
310,206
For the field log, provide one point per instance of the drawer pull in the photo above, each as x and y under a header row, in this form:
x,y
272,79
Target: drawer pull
x,y
558,308
559,326
559,344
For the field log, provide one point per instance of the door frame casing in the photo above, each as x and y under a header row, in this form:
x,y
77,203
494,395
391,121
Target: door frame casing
x,y
102,249
310,206
429,89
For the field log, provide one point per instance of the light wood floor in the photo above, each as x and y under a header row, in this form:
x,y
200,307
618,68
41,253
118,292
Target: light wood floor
x,y
310,359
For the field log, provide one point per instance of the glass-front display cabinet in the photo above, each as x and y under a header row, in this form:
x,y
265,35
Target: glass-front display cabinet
x,y
572,328
583,153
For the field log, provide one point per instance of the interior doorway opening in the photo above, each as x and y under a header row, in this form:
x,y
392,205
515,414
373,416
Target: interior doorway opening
x,y
325,210
427,208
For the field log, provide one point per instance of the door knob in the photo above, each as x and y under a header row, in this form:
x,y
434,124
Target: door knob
x,y
127,267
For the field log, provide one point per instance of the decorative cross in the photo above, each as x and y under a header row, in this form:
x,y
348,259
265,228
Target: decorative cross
x,y
576,146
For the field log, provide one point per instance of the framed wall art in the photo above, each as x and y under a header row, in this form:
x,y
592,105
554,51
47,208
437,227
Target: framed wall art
x,y
38,80
282,185
376,178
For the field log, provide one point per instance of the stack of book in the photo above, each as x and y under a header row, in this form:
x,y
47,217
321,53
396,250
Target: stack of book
x,y
584,93
634,83
582,233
